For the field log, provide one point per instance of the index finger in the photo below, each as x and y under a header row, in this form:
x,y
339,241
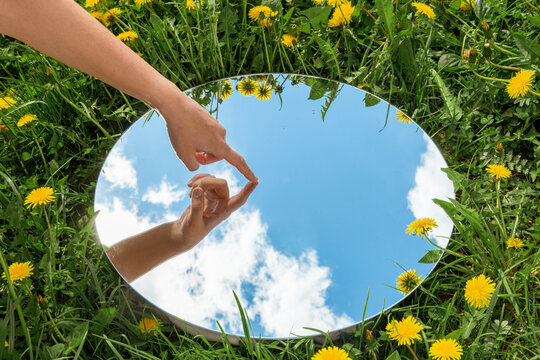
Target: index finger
x,y
236,160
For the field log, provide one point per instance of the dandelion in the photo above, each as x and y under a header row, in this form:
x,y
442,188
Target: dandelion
x,y
465,55
247,87
39,298
191,5
109,16
263,91
318,1
6,102
97,15
150,325
127,36
466,4
331,353
141,2
3,128
288,39
520,84
39,196
19,271
485,25
424,9
369,334
261,12
405,331
342,14
91,3
6,344
26,119
261,78
335,3
227,90
421,226
498,171
407,281
445,349
139,53
478,291
499,147
404,119
514,242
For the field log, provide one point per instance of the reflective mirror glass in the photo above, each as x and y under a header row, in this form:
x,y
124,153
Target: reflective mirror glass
x,y
342,175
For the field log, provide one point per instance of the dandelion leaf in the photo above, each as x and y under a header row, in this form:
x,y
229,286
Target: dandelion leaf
x,y
527,46
385,11
394,356
450,101
431,257
371,100
317,16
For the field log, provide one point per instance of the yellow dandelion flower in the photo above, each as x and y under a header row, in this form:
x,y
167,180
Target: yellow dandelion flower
x,y
407,281
3,128
6,344
421,226
97,15
39,298
499,171
139,53
514,242
404,119
445,349
424,9
19,271
192,5
520,84
288,39
263,92
261,12
11,92
405,331
265,23
261,78
109,16
127,36
499,147
226,91
26,119
318,1
141,2
331,353
150,325
39,196
466,4
91,3
478,291
247,87
342,14
6,102
335,3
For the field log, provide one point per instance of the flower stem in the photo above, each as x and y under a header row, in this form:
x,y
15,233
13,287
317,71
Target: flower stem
x,y
487,78
412,352
40,150
51,262
19,309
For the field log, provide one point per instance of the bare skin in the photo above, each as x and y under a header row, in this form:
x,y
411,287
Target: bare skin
x,y
210,205
63,30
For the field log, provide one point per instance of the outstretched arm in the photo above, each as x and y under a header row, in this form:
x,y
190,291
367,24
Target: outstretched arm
x,y
210,205
65,31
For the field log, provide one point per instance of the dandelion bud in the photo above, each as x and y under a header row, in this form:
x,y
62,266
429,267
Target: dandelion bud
x,y
485,25
487,50
466,55
473,54
487,31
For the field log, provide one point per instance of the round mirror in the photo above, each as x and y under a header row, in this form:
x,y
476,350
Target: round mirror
x,y
322,238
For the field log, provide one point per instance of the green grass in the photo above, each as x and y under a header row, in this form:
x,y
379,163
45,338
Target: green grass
x,y
409,60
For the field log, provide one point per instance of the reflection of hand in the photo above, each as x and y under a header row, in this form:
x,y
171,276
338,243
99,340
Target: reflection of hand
x,y
196,136
210,205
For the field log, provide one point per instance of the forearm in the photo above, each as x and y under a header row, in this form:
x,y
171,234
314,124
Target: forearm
x,y
63,30
140,253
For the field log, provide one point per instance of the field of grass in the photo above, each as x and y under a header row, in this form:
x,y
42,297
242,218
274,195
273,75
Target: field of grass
x,y
450,71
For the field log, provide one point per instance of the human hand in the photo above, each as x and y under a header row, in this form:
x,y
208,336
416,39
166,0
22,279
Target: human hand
x,y
197,137
210,205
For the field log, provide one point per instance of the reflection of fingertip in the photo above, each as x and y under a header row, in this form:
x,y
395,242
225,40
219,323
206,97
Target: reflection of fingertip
x,y
197,193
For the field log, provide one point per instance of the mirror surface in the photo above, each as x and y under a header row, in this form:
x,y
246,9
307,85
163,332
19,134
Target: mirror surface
x,y
342,175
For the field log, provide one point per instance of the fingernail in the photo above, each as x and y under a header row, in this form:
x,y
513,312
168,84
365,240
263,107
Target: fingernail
x,y
197,193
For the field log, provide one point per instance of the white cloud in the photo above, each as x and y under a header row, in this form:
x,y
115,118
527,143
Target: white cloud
x,y
118,170
287,292
165,195
116,222
431,183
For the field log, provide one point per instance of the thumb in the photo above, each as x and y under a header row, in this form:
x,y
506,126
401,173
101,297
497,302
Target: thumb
x,y
197,203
